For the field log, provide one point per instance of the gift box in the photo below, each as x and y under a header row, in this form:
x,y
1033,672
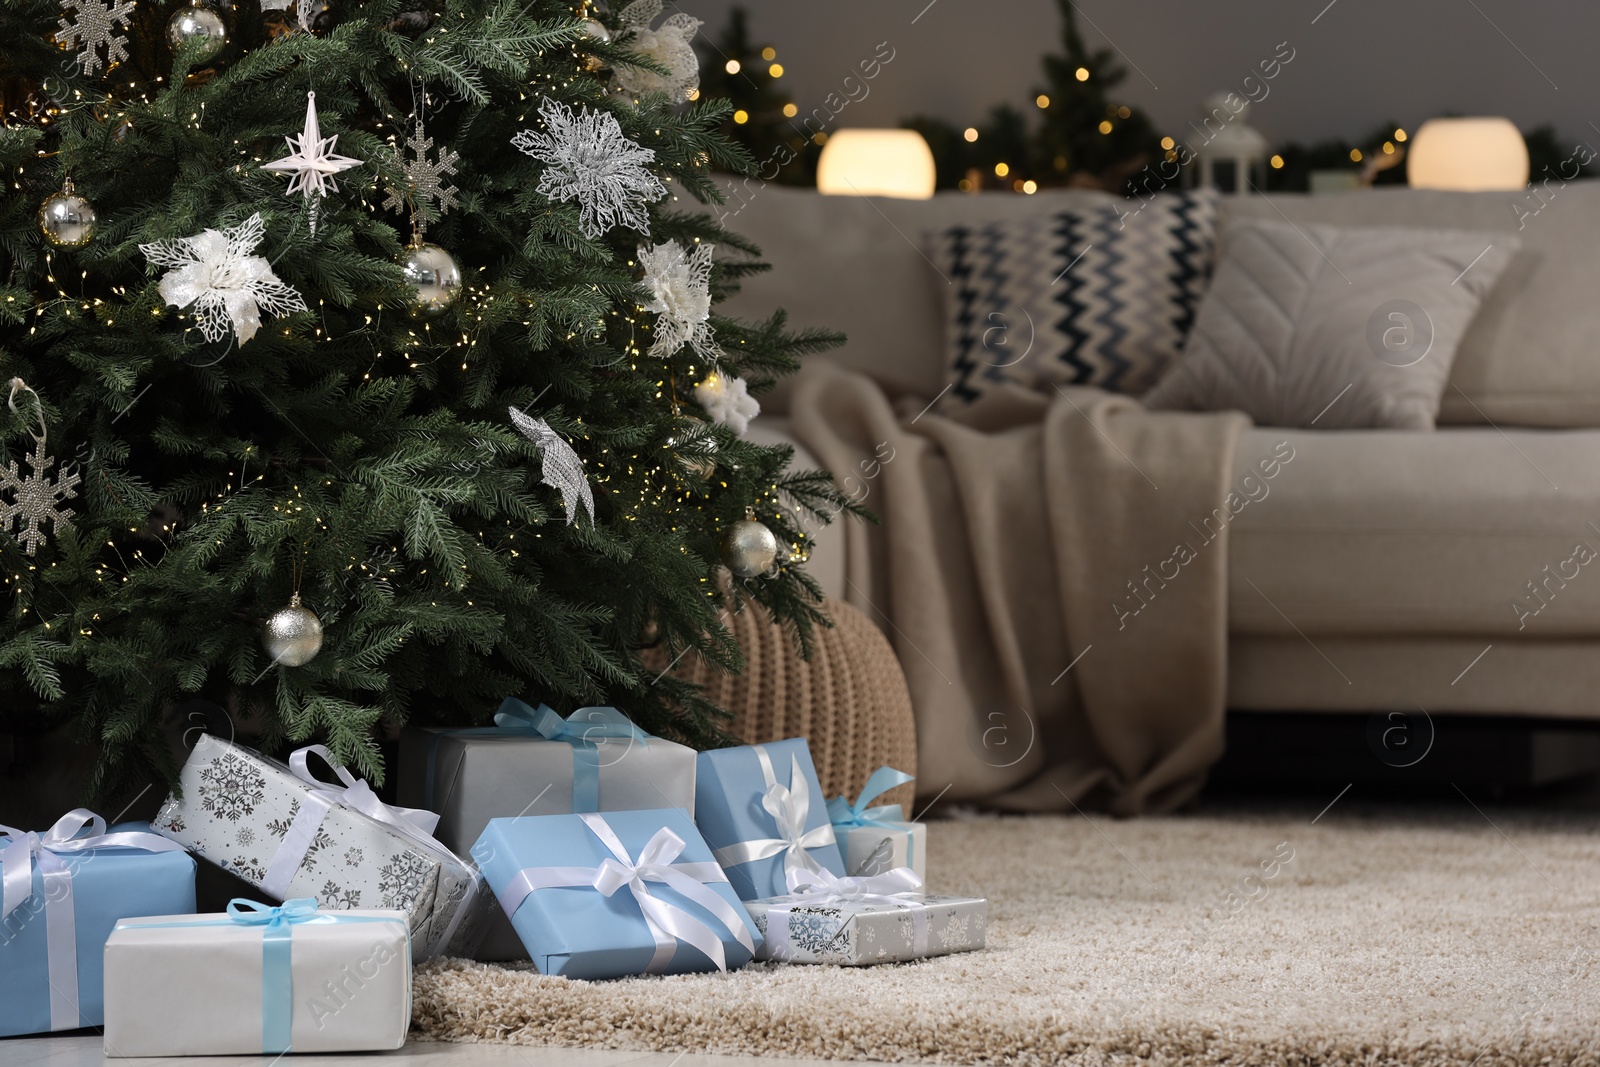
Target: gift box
x,y
878,839
603,895
859,921
64,891
762,812
534,762
291,836
258,980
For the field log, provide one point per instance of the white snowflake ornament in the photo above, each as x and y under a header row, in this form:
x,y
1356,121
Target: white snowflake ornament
x,y
97,24
562,468
678,283
728,401
229,287
669,44
37,499
424,177
312,162
590,160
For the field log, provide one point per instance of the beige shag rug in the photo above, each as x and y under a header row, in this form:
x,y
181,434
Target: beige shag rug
x,y
1368,938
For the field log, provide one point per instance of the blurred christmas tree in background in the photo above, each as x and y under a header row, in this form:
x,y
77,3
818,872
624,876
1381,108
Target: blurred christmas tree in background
x,y
748,74
364,367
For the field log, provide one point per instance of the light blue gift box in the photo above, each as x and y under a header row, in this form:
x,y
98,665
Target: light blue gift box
x,y
609,894
64,892
737,791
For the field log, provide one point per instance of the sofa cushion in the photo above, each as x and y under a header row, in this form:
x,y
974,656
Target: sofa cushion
x,y
1461,531
1103,297
1333,327
854,264
1532,354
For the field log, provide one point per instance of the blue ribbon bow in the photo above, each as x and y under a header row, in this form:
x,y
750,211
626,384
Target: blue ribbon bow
x,y
847,816
580,730
277,972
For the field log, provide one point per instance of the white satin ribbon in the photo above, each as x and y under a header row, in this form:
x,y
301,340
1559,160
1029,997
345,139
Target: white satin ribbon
x,y
790,807
17,863
900,887
414,824
668,923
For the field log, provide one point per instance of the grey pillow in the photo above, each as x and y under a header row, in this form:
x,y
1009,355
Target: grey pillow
x,y
1333,328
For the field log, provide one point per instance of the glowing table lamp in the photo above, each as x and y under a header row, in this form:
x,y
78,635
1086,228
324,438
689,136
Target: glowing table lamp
x,y
894,163
1469,155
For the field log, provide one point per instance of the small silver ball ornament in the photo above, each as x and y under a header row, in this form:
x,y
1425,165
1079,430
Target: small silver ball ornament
x,y
67,219
434,278
694,447
749,548
293,636
197,28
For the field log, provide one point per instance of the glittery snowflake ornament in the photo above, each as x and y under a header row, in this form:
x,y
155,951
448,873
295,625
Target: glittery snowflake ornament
x,y
229,287
591,161
424,177
728,401
96,27
670,44
679,285
35,499
312,162
563,470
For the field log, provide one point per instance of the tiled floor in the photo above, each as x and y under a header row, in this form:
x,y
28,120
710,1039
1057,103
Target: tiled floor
x,y
75,1051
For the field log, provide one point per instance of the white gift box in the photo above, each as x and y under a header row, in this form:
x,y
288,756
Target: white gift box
x,y
292,836
251,982
870,850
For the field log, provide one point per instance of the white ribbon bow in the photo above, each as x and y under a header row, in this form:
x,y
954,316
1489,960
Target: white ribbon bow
x,y
668,923
790,807
17,863
899,887
415,824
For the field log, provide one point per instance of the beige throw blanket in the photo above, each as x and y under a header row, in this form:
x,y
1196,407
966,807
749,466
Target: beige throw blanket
x,y
1053,575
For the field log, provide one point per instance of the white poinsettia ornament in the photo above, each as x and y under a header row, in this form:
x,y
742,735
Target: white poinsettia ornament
x,y
678,283
670,44
228,287
589,159
728,401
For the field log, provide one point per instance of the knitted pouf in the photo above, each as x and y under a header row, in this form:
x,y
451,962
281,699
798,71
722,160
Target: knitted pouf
x,y
849,700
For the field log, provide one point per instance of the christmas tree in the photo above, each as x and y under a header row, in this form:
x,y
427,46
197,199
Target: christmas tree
x,y
362,368
749,74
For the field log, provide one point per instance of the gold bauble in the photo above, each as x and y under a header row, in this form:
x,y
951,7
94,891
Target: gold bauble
x,y
293,636
67,219
748,548
434,278
199,29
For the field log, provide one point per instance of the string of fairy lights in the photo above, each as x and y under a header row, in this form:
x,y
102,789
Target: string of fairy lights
x,y
643,484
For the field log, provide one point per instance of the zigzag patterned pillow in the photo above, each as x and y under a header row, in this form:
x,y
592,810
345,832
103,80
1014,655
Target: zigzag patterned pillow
x,y
1102,297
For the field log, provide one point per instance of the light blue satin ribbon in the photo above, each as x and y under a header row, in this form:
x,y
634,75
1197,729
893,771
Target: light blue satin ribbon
x,y
516,719
846,816
277,954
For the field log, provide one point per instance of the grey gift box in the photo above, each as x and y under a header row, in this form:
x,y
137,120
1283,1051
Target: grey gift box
x,y
857,933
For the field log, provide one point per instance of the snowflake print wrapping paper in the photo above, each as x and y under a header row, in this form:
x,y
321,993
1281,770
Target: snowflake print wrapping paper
x,y
671,44
589,159
237,807
854,933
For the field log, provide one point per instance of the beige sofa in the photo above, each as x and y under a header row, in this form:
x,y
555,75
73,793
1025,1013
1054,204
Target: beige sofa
x,y
1386,568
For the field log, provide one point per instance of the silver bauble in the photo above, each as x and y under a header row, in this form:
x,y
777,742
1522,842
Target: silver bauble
x,y
749,548
293,636
67,219
197,28
433,276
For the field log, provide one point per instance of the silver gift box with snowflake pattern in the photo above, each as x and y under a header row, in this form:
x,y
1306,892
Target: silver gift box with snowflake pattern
x,y
856,933
234,807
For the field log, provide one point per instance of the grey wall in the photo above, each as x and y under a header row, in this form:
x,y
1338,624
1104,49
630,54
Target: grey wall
x,y
1360,63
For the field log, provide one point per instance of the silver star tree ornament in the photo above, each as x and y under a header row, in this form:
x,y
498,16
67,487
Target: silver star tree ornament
x,y
312,162
563,469
37,499
424,177
96,27
589,159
